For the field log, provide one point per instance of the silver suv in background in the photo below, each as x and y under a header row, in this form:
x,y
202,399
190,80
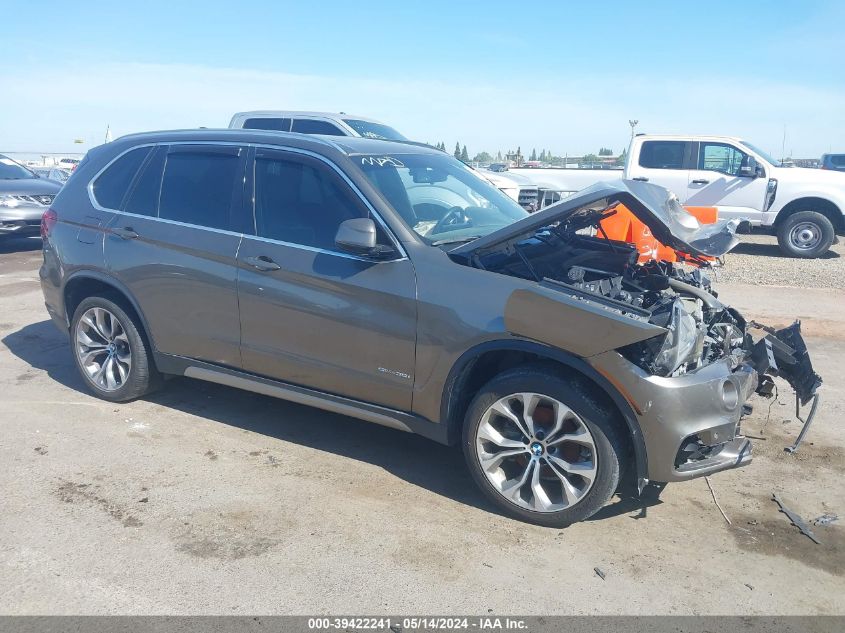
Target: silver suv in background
x,y
388,282
326,123
24,197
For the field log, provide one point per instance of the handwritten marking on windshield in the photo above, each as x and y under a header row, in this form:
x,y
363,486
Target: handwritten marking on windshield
x,y
381,161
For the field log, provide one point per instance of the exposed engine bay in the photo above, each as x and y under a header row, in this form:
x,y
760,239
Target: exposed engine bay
x,y
572,257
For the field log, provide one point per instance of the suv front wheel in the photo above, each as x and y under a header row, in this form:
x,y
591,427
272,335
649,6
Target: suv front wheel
x,y
541,448
110,352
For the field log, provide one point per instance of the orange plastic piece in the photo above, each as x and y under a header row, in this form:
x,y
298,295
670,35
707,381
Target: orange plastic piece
x,y
624,226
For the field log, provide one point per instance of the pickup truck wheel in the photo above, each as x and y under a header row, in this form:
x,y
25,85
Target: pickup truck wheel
x,y
110,352
806,234
541,449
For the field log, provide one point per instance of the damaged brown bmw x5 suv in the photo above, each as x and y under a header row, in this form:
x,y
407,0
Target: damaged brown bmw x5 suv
x,y
388,282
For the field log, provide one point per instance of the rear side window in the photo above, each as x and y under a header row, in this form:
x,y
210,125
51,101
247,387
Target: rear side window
x,y
313,126
663,154
199,186
838,160
111,186
143,200
278,125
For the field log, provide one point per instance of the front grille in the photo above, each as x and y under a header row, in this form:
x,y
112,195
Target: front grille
x,y
42,199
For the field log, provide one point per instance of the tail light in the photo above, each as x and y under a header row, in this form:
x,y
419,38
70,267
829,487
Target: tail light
x,y
48,221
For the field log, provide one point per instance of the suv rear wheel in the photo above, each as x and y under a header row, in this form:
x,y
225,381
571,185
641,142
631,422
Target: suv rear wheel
x,y
110,352
541,449
806,234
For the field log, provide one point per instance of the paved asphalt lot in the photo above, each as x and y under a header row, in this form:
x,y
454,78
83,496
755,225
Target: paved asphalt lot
x,y
203,499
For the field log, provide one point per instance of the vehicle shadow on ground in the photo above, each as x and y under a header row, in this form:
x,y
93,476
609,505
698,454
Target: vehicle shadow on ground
x,y
418,461
18,244
771,250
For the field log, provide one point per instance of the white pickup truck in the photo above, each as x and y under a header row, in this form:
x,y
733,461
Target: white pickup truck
x,y
805,206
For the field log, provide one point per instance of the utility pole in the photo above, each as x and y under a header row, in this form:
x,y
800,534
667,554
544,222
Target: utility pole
x,y
633,124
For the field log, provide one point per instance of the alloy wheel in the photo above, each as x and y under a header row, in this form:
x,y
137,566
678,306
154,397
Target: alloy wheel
x,y
536,452
103,350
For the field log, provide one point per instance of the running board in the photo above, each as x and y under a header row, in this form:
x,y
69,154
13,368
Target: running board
x,y
299,395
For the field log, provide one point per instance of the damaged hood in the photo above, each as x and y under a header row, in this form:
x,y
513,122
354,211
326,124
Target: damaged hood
x,y
654,206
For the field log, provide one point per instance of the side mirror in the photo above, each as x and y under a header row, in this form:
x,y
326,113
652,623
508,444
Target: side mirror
x,y
358,236
750,169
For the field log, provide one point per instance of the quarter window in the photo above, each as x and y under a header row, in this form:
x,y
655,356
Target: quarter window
x,y
110,187
199,185
144,197
315,126
722,158
663,154
300,201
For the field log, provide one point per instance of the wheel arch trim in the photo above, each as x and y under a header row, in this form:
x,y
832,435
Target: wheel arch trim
x,y
833,211
462,367
117,285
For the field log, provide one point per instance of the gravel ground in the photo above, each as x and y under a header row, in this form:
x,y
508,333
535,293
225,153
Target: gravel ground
x,y
758,260
201,499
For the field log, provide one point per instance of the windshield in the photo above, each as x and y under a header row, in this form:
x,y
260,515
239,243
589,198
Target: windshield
x,y
439,197
10,170
380,131
762,154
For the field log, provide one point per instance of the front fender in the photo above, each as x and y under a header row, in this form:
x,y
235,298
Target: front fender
x,y
584,326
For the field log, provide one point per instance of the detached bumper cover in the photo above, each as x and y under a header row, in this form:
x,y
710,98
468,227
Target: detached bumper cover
x,y
783,353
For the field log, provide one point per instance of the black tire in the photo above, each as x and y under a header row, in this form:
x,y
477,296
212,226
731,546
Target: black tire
x,y
806,234
142,377
603,422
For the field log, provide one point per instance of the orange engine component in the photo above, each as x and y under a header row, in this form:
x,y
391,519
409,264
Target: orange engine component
x,y
626,227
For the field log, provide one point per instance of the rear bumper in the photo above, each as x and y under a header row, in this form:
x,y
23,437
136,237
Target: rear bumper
x,y
690,423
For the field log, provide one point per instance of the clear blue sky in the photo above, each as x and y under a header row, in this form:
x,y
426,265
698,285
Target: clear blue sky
x,y
563,76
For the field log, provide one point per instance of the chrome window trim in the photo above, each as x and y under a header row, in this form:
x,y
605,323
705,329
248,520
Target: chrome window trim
x,y
90,186
284,148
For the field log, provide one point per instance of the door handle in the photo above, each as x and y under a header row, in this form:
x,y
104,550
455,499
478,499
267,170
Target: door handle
x,y
125,232
262,262
641,178
700,181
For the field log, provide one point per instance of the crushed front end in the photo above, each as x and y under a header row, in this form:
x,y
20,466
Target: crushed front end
x,y
692,363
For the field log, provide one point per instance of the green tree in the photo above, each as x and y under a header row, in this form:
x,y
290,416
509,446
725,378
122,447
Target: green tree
x,y
605,151
465,154
590,158
483,157
533,155
622,157
499,155
458,151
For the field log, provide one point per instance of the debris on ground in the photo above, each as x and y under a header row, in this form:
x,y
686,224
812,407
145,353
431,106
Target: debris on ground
x,y
144,500
713,492
797,521
826,519
599,572
749,586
